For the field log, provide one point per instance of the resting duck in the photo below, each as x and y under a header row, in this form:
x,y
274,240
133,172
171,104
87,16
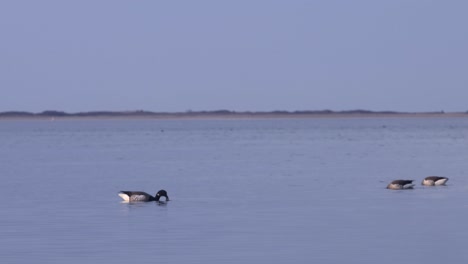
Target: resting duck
x,y
130,196
434,181
401,185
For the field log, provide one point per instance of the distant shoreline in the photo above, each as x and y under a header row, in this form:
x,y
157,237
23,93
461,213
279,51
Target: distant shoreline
x,y
222,114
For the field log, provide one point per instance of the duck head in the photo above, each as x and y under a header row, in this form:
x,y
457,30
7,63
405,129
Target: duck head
x,y
161,193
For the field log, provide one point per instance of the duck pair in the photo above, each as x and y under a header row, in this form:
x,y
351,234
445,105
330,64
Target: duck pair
x,y
408,184
132,196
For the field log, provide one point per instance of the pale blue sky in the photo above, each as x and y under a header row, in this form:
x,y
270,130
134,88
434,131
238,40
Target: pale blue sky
x,y
243,55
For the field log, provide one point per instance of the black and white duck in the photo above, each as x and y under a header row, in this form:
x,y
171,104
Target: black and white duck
x,y
434,181
136,196
401,185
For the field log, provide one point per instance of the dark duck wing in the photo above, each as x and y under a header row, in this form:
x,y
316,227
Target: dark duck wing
x,y
403,182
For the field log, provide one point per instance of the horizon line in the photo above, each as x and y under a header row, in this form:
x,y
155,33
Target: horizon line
x,y
58,113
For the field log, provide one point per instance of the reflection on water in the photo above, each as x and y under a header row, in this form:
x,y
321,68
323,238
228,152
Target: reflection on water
x,y
242,191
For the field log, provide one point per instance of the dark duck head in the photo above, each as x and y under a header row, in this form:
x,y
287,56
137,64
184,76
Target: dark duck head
x,y
161,193
136,196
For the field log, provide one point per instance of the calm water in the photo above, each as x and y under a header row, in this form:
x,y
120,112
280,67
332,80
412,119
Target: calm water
x,y
243,191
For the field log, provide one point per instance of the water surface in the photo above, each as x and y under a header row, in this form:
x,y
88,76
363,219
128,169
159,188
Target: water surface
x,y
243,191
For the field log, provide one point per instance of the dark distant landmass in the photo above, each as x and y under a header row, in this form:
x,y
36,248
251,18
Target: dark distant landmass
x,y
221,114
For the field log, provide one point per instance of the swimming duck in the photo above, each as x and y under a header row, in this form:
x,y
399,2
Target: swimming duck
x,y
401,185
434,181
130,196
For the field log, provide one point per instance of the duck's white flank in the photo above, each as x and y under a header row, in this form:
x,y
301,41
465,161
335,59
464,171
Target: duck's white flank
x,y
440,182
408,186
124,197
138,198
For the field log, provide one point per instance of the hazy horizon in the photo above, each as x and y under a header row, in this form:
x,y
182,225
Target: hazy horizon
x,y
176,56
135,111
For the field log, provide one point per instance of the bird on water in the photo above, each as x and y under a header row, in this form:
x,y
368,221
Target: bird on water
x,y
434,181
137,196
400,185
